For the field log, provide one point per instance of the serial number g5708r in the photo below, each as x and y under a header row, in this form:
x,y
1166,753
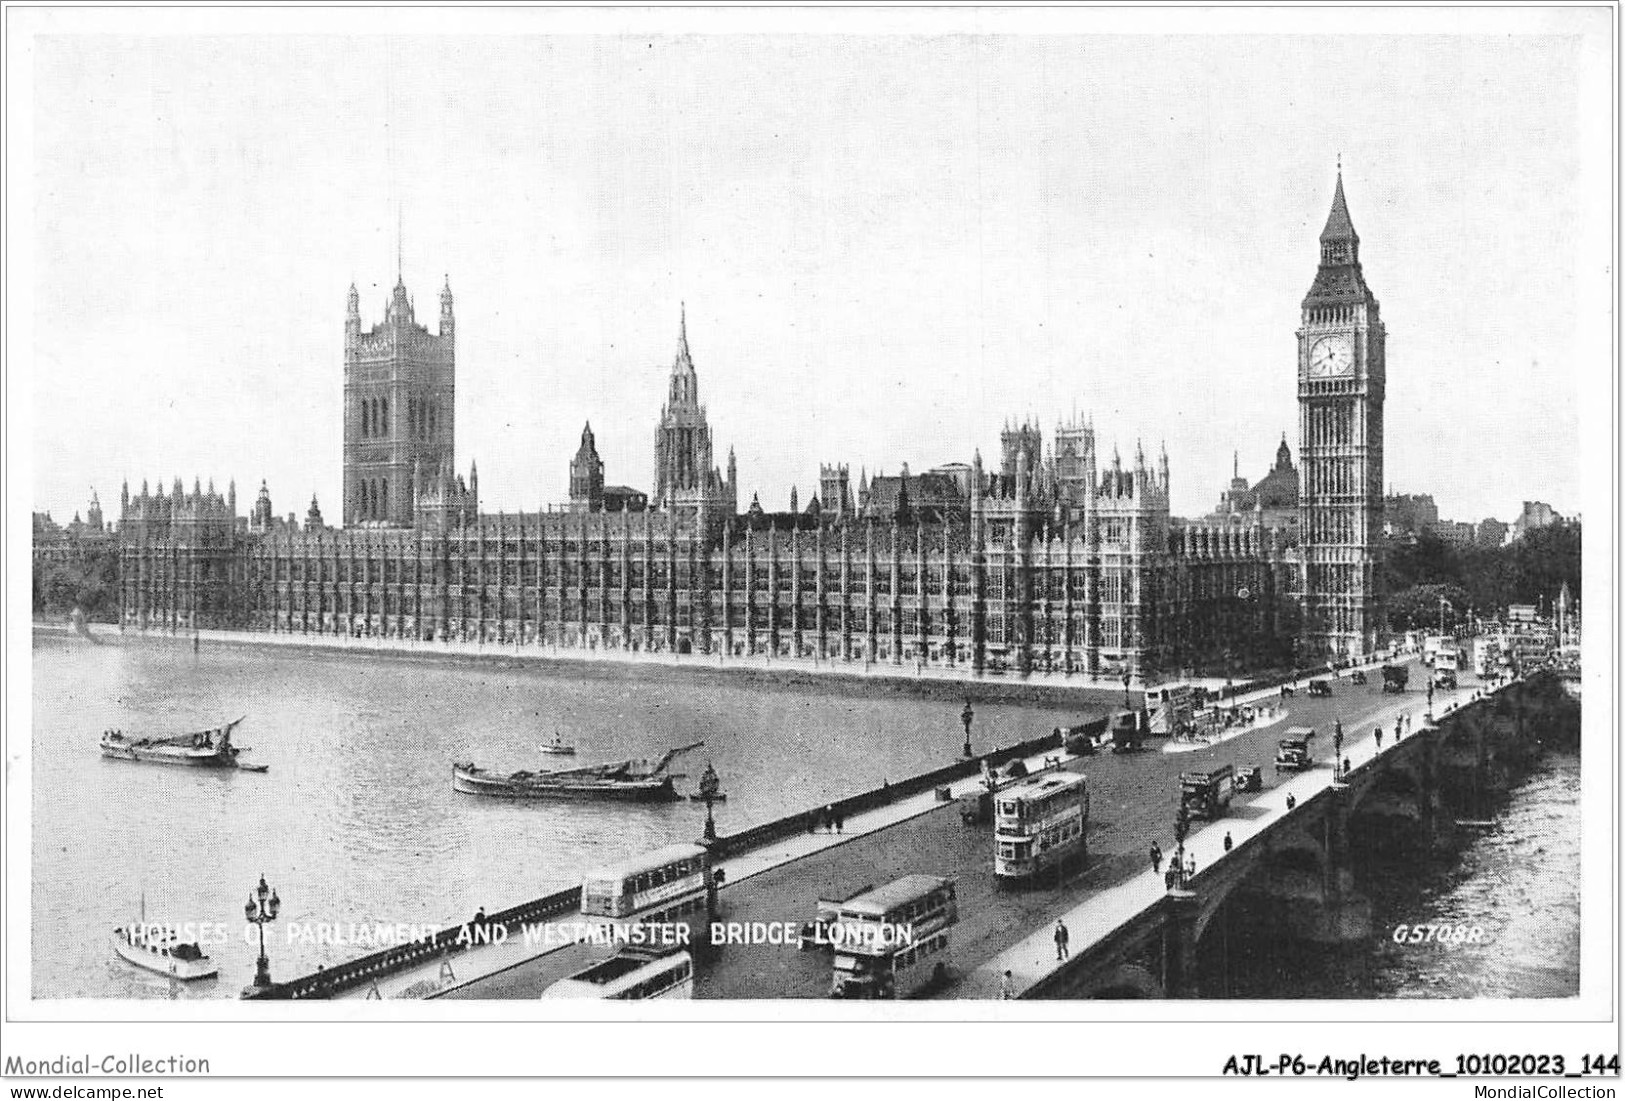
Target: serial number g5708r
x,y
1438,934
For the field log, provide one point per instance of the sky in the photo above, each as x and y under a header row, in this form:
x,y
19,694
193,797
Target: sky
x,y
888,247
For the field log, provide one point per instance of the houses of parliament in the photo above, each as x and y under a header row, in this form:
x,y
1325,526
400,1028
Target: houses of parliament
x,y
1053,557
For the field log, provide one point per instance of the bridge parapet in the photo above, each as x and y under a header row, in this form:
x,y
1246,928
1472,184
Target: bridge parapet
x,y
330,982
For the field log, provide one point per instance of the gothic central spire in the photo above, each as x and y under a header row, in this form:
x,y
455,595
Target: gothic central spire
x,y
1339,227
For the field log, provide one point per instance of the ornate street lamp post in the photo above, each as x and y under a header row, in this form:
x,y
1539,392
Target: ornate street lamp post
x,y
1337,749
1430,698
709,786
1127,677
965,717
259,909
1182,829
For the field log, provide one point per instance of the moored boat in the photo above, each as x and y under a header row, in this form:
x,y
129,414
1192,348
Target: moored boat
x,y
557,746
159,948
199,749
630,780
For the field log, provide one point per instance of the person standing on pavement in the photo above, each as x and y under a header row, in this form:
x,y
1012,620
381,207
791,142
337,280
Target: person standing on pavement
x,y
1061,937
1379,737
1227,842
1156,857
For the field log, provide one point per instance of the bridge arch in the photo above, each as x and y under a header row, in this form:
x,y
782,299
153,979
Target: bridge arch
x,y
1127,982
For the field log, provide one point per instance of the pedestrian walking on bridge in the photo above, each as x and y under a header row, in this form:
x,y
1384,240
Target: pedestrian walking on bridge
x,y
1379,737
1156,857
1061,938
1228,844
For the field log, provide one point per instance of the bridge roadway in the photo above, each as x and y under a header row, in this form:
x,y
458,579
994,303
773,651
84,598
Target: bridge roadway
x,y
1133,802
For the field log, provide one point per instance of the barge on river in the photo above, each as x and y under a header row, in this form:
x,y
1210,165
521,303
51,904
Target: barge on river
x,y
632,780
200,749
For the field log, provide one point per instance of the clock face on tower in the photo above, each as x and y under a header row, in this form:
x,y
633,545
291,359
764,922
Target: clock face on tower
x,y
1331,357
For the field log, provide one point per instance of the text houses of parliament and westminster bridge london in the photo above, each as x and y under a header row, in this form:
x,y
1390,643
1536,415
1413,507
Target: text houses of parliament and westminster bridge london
x,y
1233,718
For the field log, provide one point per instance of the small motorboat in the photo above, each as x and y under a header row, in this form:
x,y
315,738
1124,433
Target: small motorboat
x,y
557,746
159,948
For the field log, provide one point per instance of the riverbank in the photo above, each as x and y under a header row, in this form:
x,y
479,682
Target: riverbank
x,y
928,682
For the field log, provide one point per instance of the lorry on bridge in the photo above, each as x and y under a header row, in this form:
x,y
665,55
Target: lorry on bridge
x,y
1294,754
1207,794
1084,739
1128,733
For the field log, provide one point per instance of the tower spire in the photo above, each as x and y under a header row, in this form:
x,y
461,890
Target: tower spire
x,y
1339,227
400,244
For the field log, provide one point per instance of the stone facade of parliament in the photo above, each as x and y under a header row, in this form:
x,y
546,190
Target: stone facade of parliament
x,y
1059,558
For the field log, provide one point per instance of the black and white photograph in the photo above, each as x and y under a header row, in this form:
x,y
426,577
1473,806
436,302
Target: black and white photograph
x,y
1050,519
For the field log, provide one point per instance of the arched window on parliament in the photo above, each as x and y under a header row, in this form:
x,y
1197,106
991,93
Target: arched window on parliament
x,y
365,422
384,423
383,498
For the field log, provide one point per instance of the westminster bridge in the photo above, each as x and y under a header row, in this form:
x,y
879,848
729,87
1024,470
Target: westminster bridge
x,y
1291,845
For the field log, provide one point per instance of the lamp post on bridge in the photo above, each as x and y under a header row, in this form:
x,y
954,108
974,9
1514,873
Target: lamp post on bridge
x,y
965,717
709,786
260,910
1182,830
1337,749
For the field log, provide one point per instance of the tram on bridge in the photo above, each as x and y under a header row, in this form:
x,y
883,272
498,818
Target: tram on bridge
x,y
1039,825
893,941
632,974
667,887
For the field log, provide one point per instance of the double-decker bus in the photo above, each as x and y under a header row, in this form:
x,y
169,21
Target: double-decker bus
x,y
666,887
1172,708
630,975
1040,824
892,942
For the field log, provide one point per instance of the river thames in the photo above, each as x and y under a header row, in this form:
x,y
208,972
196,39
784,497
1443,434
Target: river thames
x,y
356,821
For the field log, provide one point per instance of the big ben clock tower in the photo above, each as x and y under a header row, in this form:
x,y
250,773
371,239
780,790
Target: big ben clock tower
x,y
1342,374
